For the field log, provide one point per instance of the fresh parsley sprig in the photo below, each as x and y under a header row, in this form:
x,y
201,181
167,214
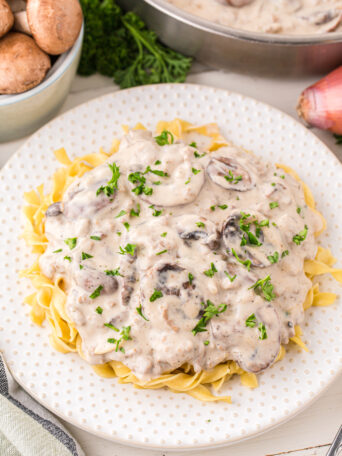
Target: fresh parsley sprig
x,y
265,287
112,184
210,311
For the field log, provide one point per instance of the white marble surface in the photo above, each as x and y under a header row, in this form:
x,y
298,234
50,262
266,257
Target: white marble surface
x,y
308,434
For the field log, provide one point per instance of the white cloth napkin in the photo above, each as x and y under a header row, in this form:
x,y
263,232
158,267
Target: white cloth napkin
x,y
27,428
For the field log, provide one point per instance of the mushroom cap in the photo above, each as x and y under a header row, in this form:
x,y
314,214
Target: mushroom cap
x,y
6,18
22,64
54,24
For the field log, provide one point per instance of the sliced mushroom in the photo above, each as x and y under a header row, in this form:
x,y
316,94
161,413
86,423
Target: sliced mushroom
x,y
239,3
6,18
228,173
327,20
193,228
54,24
54,209
255,354
268,236
22,64
89,279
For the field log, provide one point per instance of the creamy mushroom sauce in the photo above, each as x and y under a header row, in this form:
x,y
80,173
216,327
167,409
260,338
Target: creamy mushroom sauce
x,y
190,234
297,17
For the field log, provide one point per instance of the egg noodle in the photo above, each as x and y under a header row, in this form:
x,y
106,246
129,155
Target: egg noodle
x,y
48,301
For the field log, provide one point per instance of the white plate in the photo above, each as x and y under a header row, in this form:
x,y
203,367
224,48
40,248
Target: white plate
x,y
66,384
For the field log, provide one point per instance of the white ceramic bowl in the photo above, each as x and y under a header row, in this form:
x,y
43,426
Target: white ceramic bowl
x,y
22,114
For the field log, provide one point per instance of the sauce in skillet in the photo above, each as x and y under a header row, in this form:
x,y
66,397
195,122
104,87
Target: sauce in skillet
x,y
295,17
194,258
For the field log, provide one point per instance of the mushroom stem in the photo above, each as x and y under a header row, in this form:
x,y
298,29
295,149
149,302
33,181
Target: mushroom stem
x,y
20,23
6,18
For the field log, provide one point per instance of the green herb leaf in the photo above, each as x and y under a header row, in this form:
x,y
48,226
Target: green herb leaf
x,y
135,213
212,208
210,272
126,225
85,256
251,321
229,277
193,144
188,181
273,258
263,332
121,213
112,184
160,253
156,295
285,253
210,310
190,277
164,234
99,310
165,137
195,171
246,263
155,212
57,251
222,206
273,204
206,342
232,178
157,162
95,238
200,224
113,272
299,210
139,310
71,242
96,292
110,326
128,250
301,236
67,258
265,287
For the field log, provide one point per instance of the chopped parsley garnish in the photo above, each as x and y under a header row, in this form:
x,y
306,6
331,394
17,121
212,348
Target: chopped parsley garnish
x,y
112,185
210,272
212,208
190,277
188,181
301,236
81,266
96,293
126,225
113,272
155,171
57,251
99,310
263,333
165,137
251,321
95,238
156,295
248,237
85,256
121,213
128,250
110,326
299,210
265,287
193,144
118,233
160,253
139,310
233,179
210,310
138,178
285,253
274,204
197,155
156,183
125,335
67,258
206,342
71,242
195,171
155,212
273,184
222,206
283,176
135,213
246,263
273,258
200,224
157,162
229,277
164,234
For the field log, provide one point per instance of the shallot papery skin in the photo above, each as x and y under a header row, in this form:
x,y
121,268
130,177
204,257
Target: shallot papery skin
x,y
320,105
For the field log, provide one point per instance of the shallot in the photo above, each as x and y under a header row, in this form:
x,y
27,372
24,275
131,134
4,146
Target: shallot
x,y
320,105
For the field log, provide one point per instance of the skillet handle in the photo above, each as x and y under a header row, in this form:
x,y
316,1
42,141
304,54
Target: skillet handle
x,y
336,446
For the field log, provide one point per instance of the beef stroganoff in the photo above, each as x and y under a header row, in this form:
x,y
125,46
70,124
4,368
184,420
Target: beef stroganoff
x,y
178,261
